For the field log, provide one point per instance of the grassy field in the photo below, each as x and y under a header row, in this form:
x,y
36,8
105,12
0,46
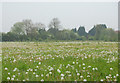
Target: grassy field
x,y
0,61
60,61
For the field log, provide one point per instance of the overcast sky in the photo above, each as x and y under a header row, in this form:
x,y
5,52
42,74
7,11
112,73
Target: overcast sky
x,y
71,15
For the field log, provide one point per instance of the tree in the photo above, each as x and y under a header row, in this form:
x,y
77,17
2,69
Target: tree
x,y
18,28
55,23
74,30
40,26
96,28
99,31
81,31
110,35
28,26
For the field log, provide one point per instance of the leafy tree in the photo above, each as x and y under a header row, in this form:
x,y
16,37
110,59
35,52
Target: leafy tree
x,y
55,23
97,29
74,30
81,31
28,26
18,28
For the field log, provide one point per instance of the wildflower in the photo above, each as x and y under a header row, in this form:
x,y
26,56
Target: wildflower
x,y
96,68
37,66
78,74
8,78
50,72
76,62
62,74
42,80
35,69
73,62
93,69
18,73
39,63
111,68
9,73
69,75
26,72
84,80
109,74
117,74
89,66
13,75
15,69
31,69
37,76
33,72
83,63
88,75
107,77
51,69
114,76
14,60
101,80
12,78
81,76
62,78
23,80
42,75
6,68
58,71
83,67
85,56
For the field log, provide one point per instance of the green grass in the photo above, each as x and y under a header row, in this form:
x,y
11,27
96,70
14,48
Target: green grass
x,y
0,62
80,61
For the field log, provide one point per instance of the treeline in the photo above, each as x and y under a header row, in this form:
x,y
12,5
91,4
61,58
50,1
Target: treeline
x,y
29,31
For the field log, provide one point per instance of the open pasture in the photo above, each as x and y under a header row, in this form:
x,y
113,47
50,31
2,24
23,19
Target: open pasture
x,y
59,61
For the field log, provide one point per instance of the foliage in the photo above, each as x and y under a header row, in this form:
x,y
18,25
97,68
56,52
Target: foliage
x,y
29,31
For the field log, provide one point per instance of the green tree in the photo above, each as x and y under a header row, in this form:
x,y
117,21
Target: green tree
x,y
55,23
81,31
18,28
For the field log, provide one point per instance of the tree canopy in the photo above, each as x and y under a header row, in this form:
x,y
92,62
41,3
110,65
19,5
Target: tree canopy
x,y
29,31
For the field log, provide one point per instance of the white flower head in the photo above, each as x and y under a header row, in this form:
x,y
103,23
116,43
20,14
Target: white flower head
x,y
69,75
42,80
8,73
84,80
50,72
78,74
93,69
101,80
62,78
42,75
88,76
37,76
12,78
58,71
73,62
39,63
62,74
111,68
81,76
8,78
6,68
83,63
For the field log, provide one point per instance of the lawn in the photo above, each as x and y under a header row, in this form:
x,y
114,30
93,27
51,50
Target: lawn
x,y
60,61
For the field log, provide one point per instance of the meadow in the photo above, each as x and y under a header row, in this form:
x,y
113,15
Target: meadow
x,y
59,61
